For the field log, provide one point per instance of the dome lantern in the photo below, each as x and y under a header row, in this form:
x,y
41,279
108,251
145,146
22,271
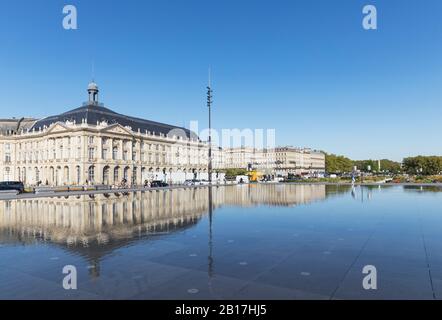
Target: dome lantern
x,y
92,90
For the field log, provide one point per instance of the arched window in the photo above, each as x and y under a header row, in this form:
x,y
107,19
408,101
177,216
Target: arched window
x,y
143,174
106,175
91,174
66,175
134,175
57,176
7,174
116,174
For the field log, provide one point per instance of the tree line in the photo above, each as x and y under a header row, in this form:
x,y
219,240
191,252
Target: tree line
x,y
420,165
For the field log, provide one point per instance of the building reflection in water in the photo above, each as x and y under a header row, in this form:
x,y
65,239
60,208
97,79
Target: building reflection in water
x,y
94,227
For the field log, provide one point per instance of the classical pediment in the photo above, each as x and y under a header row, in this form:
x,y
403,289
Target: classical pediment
x,y
57,127
117,128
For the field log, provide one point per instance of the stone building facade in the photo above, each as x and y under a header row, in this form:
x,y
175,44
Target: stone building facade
x,y
280,161
299,161
95,145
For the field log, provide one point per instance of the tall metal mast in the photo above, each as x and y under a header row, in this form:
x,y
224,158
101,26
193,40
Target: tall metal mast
x,y
209,105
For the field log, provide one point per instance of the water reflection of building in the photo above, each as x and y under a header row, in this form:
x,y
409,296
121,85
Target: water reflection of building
x,y
96,226
85,220
274,194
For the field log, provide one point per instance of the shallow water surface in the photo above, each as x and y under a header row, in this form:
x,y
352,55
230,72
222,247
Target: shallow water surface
x,y
235,242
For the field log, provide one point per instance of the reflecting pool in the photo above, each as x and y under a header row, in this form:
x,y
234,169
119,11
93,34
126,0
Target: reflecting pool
x,y
276,241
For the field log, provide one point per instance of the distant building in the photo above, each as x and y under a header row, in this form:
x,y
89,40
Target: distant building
x,y
239,157
280,161
299,161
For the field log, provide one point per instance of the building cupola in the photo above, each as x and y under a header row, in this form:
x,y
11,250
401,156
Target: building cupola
x,y
92,90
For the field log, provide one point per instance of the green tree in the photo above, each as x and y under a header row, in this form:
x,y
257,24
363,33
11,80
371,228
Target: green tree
x,y
390,166
425,165
386,165
235,172
337,164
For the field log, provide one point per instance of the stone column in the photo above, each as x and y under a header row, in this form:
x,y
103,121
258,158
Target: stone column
x,y
110,148
99,145
111,175
98,173
129,175
121,146
139,177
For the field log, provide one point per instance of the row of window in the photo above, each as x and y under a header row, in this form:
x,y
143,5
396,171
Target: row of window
x,y
58,154
51,143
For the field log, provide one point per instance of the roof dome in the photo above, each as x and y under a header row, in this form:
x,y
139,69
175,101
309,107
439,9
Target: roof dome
x,y
92,86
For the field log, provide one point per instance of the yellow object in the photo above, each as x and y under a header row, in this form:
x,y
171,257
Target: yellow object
x,y
254,175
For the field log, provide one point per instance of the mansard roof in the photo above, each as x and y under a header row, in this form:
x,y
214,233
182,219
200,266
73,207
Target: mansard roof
x,y
93,113
15,125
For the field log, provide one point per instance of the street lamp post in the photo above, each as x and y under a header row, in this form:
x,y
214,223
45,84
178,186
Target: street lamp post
x,y
209,105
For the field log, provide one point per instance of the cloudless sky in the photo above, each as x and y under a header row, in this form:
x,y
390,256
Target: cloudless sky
x,y
306,68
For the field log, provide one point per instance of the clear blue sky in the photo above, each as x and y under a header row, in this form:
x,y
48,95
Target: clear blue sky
x,y
304,67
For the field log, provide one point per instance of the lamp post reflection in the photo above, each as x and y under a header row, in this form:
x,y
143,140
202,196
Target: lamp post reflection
x,y
210,243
